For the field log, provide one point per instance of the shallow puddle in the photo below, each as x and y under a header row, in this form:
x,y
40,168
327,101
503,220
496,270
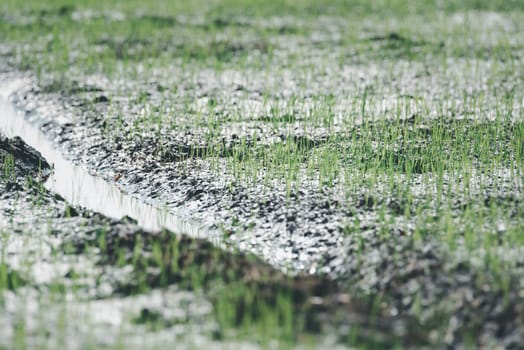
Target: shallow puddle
x,y
80,188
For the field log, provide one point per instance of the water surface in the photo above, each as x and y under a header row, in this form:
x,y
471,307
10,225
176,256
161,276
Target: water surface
x,y
80,188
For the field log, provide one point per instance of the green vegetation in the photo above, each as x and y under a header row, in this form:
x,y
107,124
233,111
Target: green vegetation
x,y
407,116
251,301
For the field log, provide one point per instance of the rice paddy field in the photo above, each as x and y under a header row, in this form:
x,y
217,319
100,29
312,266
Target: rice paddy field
x,y
240,174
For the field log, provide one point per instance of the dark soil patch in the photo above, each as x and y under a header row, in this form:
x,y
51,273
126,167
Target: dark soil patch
x,y
21,167
245,282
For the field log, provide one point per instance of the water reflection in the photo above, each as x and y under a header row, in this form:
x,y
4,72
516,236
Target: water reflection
x,y
80,188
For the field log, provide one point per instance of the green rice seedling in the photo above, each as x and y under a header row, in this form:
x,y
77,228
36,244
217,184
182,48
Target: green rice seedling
x,y
8,166
404,121
9,279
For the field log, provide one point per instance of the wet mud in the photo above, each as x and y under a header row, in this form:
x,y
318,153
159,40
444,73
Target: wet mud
x,y
161,260
336,248
420,280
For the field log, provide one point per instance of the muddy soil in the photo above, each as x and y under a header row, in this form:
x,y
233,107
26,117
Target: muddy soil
x,y
298,231
117,275
456,295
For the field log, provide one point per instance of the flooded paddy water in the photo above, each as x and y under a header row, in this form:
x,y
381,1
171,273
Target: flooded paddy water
x,y
242,174
79,188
